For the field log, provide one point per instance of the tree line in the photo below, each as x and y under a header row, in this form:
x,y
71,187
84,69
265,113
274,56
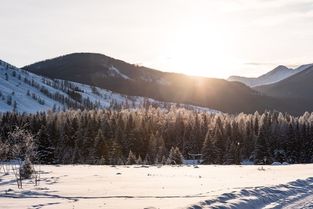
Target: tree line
x,y
159,136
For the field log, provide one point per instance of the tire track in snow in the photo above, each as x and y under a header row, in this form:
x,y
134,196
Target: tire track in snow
x,y
298,192
305,203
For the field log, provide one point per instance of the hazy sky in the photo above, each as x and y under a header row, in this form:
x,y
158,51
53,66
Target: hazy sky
x,y
214,38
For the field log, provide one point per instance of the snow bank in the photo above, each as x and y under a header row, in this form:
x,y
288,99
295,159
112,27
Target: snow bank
x,y
261,197
132,187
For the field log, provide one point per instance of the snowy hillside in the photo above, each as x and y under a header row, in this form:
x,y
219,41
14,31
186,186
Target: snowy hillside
x,y
166,187
277,74
22,91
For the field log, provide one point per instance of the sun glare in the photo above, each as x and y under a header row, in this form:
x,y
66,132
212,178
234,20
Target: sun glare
x,y
200,51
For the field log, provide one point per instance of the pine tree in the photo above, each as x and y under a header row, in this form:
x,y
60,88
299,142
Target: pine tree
x,y
14,106
139,160
262,155
147,160
175,157
291,144
9,100
208,150
45,148
100,146
115,156
163,160
131,160
219,143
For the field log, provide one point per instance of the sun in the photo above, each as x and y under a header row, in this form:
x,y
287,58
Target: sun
x,y
201,51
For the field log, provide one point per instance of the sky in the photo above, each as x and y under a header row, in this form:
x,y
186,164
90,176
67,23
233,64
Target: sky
x,y
212,38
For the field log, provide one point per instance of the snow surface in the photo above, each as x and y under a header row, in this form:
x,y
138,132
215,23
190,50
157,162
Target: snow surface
x,y
115,72
24,103
86,186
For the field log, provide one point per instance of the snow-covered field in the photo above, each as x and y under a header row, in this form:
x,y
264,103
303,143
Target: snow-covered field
x,y
84,186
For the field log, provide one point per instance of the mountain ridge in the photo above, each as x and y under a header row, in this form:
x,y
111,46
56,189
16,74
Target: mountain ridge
x,y
299,85
277,74
22,91
94,69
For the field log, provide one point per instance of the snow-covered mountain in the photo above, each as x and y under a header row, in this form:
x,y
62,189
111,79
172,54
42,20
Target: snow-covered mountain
x,y
298,87
277,74
134,80
23,91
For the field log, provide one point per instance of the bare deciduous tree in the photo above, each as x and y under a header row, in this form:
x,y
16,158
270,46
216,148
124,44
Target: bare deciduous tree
x,y
22,151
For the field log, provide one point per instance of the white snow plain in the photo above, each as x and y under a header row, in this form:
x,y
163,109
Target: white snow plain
x,y
86,186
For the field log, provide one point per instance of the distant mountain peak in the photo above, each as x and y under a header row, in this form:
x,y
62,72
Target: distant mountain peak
x,y
299,85
281,68
279,73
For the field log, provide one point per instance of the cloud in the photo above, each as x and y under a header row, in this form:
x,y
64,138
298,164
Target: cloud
x,y
259,63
